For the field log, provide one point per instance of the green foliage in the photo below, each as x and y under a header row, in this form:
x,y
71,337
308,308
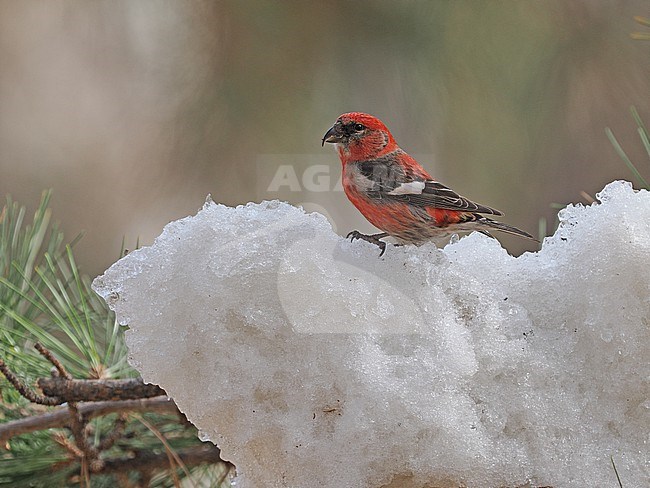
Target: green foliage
x,y
645,140
30,461
44,298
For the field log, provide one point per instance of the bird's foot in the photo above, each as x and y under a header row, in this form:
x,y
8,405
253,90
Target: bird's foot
x,y
373,239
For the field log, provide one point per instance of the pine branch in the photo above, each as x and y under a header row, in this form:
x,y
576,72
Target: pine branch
x,y
24,390
60,417
70,390
44,299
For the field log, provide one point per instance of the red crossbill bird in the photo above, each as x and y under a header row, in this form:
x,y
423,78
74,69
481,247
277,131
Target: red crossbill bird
x,y
395,193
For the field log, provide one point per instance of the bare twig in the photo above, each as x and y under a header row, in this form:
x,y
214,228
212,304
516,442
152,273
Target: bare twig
x,y
71,390
50,357
77,422
78,428
60,417
24,390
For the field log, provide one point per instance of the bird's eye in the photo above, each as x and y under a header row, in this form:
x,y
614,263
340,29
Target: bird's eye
x,y
358,127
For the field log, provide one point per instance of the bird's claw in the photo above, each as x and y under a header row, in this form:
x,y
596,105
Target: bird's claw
x,y
373,239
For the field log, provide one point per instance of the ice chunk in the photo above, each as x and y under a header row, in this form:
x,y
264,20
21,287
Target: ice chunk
x,y
312,362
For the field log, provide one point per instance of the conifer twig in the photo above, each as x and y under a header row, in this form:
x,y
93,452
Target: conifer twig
x,y
71,390
47,354
24,390
60,417
89,457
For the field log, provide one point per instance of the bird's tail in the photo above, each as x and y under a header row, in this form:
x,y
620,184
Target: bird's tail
x,y
508,229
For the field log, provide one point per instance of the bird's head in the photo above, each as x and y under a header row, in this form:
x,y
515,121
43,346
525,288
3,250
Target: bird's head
x,y
360,136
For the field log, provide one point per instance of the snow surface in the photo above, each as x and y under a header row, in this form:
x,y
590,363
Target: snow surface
x,y
312,362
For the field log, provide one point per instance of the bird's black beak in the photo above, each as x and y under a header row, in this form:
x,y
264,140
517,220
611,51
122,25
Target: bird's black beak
x,y
333,135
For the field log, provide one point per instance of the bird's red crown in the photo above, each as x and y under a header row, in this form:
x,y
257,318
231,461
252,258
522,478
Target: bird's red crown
x,y
360,136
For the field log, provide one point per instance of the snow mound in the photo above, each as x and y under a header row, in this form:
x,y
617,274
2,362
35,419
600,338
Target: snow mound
x,y
312,362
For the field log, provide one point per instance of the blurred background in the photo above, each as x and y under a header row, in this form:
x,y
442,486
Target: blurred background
x,y
134,111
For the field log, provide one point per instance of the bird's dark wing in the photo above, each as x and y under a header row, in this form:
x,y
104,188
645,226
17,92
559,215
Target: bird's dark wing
x,y
389,182
437,195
